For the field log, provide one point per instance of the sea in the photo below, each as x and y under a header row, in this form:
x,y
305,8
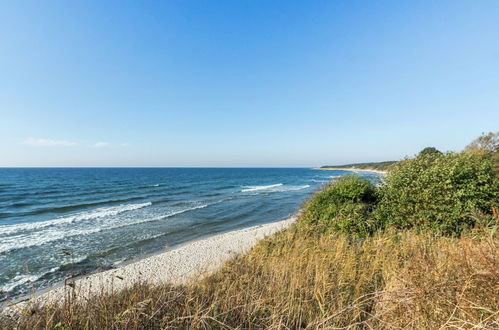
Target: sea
x,y
57,223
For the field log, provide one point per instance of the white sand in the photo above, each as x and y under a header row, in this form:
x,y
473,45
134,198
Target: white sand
x,y
351,169
188,261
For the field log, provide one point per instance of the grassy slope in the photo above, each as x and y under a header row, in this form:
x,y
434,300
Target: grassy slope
x,y
299,279
309,277
379,166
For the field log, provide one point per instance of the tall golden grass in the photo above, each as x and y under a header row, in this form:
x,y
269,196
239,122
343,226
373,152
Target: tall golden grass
x,y
298,279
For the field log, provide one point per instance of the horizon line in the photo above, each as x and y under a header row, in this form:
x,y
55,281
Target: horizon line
x,y
158,167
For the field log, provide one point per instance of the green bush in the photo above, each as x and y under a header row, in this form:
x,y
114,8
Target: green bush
x,y
430,151
440,192
345,206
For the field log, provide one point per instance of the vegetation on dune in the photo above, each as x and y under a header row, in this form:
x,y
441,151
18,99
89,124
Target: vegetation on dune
x,y
296,280
430,151
418,251
378,166
439,192
486,145
344,206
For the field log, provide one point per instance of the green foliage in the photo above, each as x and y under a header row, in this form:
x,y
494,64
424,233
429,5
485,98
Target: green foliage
x,y
440,192
430,151
486,145
344,206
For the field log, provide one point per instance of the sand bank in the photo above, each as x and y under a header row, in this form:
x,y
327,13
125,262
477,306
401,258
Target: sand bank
x,y
352,169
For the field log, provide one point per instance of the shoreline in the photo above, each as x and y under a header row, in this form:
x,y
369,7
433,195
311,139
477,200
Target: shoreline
x,y
176,266
351,169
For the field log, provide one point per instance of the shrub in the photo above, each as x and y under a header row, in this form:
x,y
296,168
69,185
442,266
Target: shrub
x,y
345,206
430,151
439,192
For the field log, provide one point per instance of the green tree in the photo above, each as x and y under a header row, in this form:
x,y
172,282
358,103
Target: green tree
x,y
430,151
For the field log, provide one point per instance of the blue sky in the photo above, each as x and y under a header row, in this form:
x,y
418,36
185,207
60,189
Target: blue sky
x,y
243,83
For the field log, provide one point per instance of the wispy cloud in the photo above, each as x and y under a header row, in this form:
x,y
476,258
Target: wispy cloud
x,y
48,143
101,144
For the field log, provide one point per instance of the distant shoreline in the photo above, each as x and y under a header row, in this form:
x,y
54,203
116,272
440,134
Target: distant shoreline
x,y
352,169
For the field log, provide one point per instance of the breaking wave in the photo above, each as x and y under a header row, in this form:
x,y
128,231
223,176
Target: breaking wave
x,y
273,188
94,214
256,188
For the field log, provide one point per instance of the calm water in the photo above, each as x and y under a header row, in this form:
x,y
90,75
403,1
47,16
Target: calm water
x,y
58,222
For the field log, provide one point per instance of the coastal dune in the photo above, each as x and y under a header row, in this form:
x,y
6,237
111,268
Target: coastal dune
x,y
175,266
352,169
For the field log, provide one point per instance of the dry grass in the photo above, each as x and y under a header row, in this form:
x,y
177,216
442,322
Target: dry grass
x,y
297,279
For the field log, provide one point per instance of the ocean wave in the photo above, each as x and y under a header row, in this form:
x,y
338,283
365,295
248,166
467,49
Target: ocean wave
x,y
65,195
50,234
71,207
293,188
16,242
224,187
212,194
256,188
319,181
19,280
273,188
160,217
149,186
94,214
21,204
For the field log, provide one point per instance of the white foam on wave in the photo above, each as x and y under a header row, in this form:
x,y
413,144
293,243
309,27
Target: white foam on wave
x,y
319,181
23,279
188,209
161,217
256,188
54,233
41,237
94,214
273,188
17,281
293,188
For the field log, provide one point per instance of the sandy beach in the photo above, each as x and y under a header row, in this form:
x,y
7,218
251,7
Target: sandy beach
x,y
352,169
191,260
